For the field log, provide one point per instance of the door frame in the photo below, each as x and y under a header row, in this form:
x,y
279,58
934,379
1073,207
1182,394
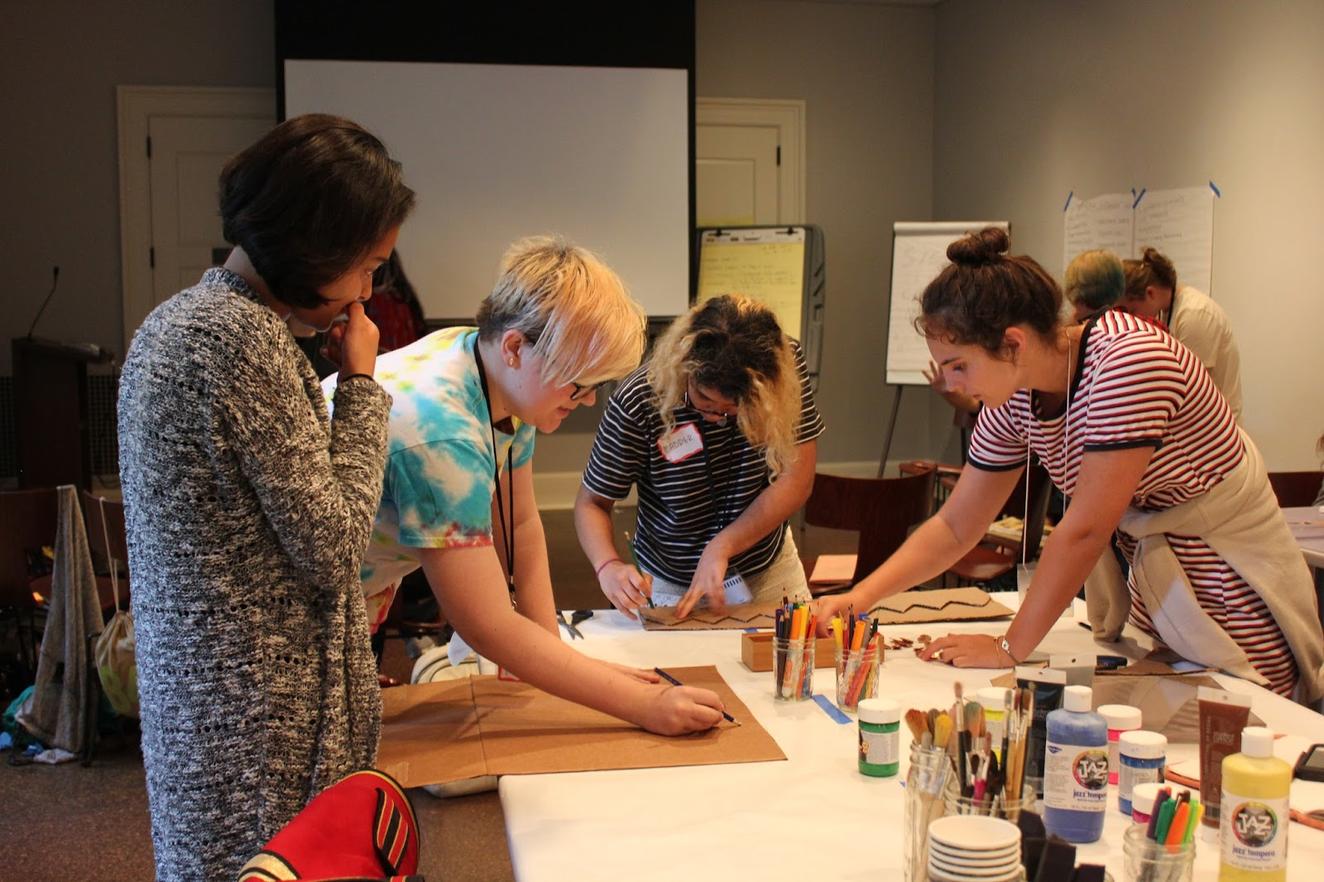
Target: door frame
x,y
788,117
134,107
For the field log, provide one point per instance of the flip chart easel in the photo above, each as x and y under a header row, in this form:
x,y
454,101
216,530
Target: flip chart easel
x,y
919,252
781,266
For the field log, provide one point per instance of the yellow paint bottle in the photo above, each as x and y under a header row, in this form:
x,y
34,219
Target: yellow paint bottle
x,y
1253,820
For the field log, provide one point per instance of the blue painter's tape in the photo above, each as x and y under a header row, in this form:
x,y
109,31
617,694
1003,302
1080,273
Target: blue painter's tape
x,y
831,709
1217,192
1069,195
1139,196
751,630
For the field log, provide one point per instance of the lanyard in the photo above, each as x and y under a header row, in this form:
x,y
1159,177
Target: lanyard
x,y
719,501
507,527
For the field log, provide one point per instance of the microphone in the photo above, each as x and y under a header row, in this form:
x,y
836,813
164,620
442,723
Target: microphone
x,y
55,281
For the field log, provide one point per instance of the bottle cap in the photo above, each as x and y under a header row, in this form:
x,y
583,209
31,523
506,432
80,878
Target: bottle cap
x,y
879,711
1078,699
1120,716
1143,745
1143,796
993,698
1257,741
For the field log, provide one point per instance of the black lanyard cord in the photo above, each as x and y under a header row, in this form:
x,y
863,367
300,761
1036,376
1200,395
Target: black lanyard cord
x,y
507,527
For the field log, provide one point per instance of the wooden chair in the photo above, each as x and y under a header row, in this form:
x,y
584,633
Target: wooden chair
x,y
104,519
1295,489
882,510
995,557
28,520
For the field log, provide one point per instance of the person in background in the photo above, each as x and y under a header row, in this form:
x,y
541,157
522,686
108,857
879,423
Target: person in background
x,y
457,498
1095,281
394,307
248,509
1130,427
718,433
1189,315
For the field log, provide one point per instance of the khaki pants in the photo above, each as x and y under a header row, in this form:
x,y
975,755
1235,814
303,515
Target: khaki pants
x,y
784,577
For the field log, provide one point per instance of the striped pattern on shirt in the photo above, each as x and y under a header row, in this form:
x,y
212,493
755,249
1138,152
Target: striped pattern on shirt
x,y
1134,384
682,505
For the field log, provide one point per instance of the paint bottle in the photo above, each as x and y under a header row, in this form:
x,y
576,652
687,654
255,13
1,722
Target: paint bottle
x,y
1253,820
1142,801
1076,769
994,701
1120,718
1143,756
880,727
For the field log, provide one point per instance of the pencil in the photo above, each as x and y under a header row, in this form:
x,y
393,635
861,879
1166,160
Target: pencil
x,y
634,562
674,682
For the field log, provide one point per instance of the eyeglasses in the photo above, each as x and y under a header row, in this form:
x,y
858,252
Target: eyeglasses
x,y
582,391
720,415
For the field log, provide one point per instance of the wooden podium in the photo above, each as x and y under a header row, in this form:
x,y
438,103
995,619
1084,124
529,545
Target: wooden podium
x,y
50,411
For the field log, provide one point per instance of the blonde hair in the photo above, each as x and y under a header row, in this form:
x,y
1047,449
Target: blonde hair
x,y
733,344
571,306
1095,279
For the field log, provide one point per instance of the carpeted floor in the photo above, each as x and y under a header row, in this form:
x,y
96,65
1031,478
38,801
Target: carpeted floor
x,y
72,822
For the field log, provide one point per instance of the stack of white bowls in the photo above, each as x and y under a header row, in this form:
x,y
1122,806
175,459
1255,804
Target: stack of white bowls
x,y
974,848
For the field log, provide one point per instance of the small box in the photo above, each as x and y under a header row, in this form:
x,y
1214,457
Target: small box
x,y
756,651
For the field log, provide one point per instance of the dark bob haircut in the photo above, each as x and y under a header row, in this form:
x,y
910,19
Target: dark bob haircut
x,y
308,200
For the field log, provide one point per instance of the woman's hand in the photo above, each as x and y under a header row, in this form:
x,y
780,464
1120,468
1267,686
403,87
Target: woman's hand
x,y
968,651
933,374
832,605
626,587
707,581
680,710
352,344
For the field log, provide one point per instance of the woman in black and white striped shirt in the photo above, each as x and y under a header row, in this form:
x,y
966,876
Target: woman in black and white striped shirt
x,y
1131,427
718,433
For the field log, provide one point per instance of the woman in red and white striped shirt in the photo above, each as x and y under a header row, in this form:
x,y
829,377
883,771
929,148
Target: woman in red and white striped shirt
x,y
1128,424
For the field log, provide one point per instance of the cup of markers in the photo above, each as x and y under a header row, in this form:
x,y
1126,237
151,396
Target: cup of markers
x,y
793,652
1163,850
855,648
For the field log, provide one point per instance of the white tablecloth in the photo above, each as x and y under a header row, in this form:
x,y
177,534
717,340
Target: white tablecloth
x,y
814,817
1307,525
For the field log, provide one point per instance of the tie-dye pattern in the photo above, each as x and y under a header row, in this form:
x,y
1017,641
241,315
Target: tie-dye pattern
x,y
438,487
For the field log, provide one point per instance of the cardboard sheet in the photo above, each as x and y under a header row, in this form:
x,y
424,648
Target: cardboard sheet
x,y
830,569
908,608
436,733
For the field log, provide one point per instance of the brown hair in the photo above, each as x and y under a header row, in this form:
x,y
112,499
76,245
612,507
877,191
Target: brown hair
x,y
984,291
1151,269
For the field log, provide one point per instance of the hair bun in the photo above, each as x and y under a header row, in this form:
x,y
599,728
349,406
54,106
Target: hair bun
x,y
978,249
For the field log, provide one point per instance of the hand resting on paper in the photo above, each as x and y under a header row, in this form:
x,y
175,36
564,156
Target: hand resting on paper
x,y
967,651
707,582
680,710
626,587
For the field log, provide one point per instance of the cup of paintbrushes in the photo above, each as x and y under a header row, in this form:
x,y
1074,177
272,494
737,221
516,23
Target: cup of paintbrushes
x,y
926,780
857,675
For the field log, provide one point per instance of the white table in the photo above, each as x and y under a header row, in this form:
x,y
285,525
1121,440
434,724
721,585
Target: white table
x,y
813,817
1307,525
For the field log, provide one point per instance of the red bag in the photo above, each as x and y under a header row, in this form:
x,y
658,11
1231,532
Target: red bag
x,y
361,827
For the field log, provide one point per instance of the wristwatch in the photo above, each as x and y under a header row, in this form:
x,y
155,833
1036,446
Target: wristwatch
x,y
1006,647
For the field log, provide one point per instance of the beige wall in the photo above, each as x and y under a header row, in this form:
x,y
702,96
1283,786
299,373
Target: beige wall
x,y
59,178
1036,98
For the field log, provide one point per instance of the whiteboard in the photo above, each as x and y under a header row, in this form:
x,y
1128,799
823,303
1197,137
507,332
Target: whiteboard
x,y
497,152
766,264
919,252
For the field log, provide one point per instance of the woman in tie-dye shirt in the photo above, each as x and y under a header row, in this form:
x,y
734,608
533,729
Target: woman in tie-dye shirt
x,y
467,402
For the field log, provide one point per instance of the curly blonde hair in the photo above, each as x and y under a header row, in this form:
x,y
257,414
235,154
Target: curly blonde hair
x,y
733,344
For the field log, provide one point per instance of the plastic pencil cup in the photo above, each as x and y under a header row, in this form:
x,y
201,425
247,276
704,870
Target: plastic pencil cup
x,y
926,780
1147,861
857,676
792,669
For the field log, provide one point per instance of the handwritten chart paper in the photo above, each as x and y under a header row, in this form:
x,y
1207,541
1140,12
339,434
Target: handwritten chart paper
x,y
766,264
1180,223
1103,223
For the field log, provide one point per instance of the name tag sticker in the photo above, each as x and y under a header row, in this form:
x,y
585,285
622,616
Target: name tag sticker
x,y
680,443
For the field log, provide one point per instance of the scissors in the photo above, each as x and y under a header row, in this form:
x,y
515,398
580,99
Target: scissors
x,y
575,633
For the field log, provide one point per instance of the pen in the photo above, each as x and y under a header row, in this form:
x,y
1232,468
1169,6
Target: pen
x,y
634,561
674,682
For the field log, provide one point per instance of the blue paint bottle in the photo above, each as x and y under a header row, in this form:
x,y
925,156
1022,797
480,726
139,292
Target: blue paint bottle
x,y
1076,769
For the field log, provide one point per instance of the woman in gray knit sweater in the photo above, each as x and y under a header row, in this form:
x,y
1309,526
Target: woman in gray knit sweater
x,y
249,509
